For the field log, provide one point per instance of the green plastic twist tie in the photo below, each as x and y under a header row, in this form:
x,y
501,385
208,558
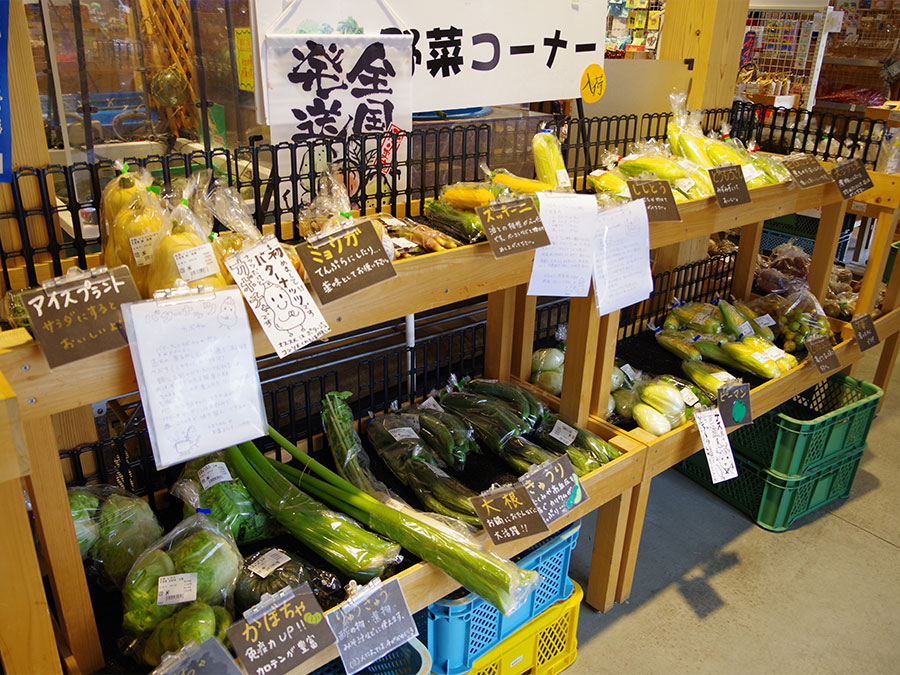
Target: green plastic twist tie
x,y
346,214
154,189
184,201
125,167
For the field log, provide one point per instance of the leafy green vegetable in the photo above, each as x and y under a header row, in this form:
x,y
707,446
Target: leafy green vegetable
x,y
83,504
214,559
197,621
127,527
141,613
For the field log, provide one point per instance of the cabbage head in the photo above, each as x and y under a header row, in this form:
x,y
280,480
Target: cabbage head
x,y
141,613
127,528
214,558
84,504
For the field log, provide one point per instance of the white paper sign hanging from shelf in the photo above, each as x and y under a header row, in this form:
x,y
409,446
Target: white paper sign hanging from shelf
x,y
196,371
622,274
464,54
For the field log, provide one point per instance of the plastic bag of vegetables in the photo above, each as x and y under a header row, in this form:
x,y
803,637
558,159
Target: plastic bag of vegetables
x,y
271,569
209,483
133,234
113,528
547,369
197,622
801,317
586,450
660,408
445,433
416,466
549,164
198,545
518,399
458,223
126,187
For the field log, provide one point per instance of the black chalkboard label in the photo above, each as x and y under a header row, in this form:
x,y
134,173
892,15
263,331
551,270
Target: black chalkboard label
x,y
865,332
211,657
508,514
554,488
822,353
851,178
734,405
658,199
512,227
806,171
729,185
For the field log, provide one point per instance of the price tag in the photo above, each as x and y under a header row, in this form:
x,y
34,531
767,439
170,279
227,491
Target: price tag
x,y
196,263
508,513
430,404
403,244
403,433
177,588
745,329
658,199
268,562
734,405
894,116
806,171
277,295
765,320
750,172
142,248
629,373
284,637
75,319
371,624
865,332
412,420
554,488
851,178
716,444
212,473
562,178
512,227
564,433
345,262
822,353
689,397
210,657
729,185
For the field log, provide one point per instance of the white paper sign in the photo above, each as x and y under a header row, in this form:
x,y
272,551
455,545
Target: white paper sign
x,y
430,404
196,371
267,563
177,588
212,473
689,397
466,53
563,269
403,433
196,263
278,297
745,329
750,172
765,320
715,444
621,262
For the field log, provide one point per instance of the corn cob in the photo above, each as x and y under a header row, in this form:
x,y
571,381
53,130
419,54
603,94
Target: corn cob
x,y
698,316
693,147
680,346
663,167
607,181
721,153
731,317
707,376
549,164
712,350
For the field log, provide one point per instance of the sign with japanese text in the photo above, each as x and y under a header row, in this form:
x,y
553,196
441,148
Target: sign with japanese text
x,y
621,265
512,227
277,295
734,405
865,332
75,319
716,445
196,370
563,269
658,199
210,657
729,185
243,57
852,178
371,624
345,262
464,54
554,488
821,351
508,513
339,85
806,171
5,128
282,638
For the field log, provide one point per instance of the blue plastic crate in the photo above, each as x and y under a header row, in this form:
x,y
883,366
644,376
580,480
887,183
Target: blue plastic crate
x,y
459,630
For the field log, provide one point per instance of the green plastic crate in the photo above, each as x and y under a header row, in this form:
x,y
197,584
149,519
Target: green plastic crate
x,y
830,418
798,225
892,256
772,501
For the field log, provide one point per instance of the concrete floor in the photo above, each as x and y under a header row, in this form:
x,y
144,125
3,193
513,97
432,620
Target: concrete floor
x,y
714,593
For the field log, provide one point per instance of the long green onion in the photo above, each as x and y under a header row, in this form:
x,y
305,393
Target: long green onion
x,y
499,581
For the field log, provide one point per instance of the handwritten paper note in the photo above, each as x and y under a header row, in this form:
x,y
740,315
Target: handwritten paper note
x,y
716,444
277,295
621,265
563,269
196,371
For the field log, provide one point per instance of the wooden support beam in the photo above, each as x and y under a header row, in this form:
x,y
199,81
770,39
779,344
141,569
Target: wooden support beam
x,y
581,357
606,559
606,354
640,493
745,263
523,339
827,238
498,349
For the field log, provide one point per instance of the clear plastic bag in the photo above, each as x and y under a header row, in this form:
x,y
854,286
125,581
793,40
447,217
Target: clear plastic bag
x,y
133,236
194,623
549,165
801,317
127,185
271,569
586,451
547,369
451,439
467,196
196,545
113,528
210,483
330,208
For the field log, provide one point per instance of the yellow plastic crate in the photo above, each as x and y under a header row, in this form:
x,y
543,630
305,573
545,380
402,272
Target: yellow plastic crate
x,y
546,645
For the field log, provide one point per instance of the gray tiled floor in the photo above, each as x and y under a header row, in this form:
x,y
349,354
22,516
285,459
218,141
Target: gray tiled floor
x,y
714,593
